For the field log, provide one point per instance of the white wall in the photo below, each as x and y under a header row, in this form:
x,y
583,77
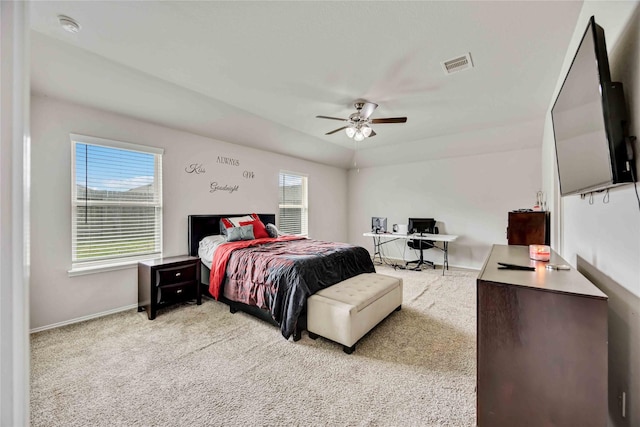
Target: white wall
x,y
57,298
603,239
469,196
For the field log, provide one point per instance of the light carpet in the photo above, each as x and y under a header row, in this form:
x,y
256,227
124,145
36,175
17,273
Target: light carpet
x,y
203,366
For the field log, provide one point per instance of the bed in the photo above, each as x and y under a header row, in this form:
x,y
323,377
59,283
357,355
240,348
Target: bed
x,y
285,271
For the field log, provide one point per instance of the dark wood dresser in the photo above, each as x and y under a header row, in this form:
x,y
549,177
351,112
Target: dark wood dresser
x,y
542,345
163,281
529,228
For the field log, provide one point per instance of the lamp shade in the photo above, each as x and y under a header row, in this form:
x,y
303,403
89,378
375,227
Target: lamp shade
x,y
350,132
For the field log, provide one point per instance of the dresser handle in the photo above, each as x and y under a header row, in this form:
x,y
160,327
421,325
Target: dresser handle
x,y
178,274
179,291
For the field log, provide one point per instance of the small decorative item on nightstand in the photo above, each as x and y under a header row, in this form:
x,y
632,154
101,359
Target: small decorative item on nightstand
x,y
162,281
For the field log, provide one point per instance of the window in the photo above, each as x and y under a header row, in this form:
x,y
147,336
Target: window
x,y
293,218
116,201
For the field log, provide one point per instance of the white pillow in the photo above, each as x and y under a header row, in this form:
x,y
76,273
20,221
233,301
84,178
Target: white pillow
x,y
211,241
208,246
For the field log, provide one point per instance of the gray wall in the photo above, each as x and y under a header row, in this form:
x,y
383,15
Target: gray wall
x,y
603,239
56,298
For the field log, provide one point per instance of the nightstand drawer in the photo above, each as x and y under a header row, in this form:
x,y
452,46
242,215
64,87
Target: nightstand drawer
x,y
182,290
170,276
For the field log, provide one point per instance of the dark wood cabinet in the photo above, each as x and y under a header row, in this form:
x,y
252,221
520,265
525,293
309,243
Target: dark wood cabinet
x,y
163,281
542,345
529,228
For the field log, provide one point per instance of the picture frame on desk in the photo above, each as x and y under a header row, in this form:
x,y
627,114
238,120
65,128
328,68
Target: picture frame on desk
x,y
378,224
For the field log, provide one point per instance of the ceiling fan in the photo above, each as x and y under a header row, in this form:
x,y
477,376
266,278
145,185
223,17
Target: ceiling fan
x,y
358,124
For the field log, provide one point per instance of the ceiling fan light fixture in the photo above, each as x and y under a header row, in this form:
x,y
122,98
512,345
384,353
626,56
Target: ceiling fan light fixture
x,y
350,131
358,125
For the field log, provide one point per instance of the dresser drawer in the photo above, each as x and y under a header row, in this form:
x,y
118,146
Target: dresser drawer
x,y
170,276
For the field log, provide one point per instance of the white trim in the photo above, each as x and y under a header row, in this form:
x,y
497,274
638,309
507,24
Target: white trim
x,y
304,206
83,318
113,262
290,172
92,140
101,268
15,160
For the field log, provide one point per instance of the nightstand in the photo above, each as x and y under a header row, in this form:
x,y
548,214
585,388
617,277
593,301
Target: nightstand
x,y
163,281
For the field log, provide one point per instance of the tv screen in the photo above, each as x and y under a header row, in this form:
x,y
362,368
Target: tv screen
x,y
378,224
589,122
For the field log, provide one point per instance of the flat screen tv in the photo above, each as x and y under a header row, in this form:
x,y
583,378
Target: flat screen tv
x,y
590,122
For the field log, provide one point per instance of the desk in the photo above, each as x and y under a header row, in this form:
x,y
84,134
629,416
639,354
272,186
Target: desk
x,y
380,239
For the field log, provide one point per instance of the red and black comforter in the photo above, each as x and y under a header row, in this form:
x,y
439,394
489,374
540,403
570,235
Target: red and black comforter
x,y
278,274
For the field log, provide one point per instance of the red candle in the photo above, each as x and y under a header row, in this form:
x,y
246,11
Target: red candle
x,y
539,252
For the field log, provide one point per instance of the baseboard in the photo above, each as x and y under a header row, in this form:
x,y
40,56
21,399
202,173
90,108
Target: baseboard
x,y
83,318
129,307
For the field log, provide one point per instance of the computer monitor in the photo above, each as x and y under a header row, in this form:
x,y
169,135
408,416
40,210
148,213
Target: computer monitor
x,y
421,225
378,224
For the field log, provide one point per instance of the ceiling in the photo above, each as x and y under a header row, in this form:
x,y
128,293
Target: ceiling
x,y
257,73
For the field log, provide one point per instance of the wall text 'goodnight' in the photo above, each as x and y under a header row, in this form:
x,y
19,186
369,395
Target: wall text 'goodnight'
x,y
217,187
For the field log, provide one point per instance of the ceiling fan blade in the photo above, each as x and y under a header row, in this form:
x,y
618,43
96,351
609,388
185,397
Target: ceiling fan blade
x,y
337,130
367,109
331,118
389,120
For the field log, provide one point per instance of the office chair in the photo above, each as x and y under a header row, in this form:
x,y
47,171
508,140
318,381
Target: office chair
x,y
422,245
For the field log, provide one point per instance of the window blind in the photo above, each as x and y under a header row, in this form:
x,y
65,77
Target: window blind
x,y
293,210
117,201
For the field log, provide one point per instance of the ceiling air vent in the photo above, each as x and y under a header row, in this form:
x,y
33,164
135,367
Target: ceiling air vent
x,y
457,64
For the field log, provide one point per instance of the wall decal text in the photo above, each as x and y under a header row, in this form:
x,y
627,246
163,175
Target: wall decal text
x,y
248,174
214,186
228,161
196,168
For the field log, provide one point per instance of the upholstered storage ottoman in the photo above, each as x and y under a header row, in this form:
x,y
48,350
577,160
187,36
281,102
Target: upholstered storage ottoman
x,y
346,311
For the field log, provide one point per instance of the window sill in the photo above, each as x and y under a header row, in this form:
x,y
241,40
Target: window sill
x,y
102,268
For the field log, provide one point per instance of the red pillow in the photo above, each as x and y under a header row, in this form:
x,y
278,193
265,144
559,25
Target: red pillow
x,y
259,230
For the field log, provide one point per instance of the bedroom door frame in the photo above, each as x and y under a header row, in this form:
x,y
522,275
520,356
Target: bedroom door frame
x,y
14,212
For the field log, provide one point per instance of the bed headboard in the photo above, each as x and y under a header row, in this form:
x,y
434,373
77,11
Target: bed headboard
x,y
200,226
